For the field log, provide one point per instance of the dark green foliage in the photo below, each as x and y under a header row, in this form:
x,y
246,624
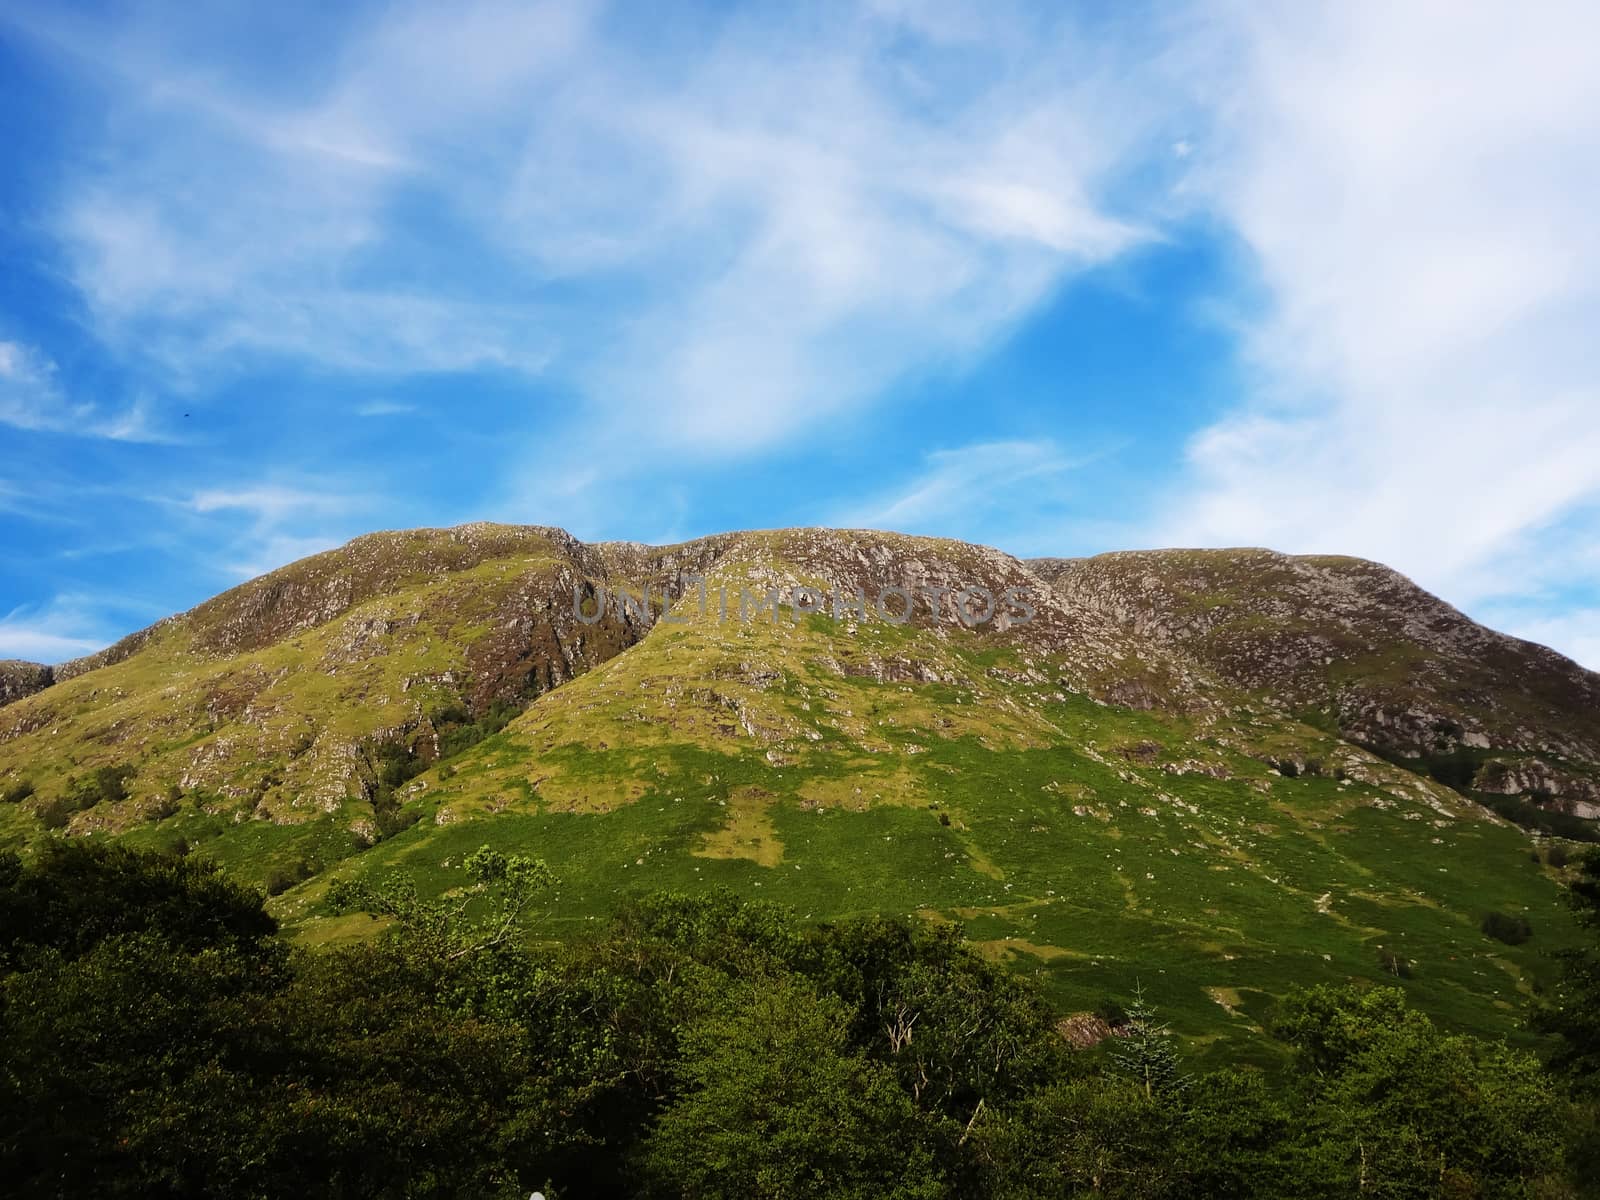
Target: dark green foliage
x,y
16,793
1512,930
458,731
1112,1012
1572,1013
107,785
1146,1054
777,1104
396,763
1401,1108
155,1039
1456,770
280,879
1096,1135
82,792
78,894
1547,822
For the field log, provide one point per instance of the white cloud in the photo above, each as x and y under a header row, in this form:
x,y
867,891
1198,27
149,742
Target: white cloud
x,y
385,408
31,398
795,220
66,628
259,527
1415,188
268,502
1017,495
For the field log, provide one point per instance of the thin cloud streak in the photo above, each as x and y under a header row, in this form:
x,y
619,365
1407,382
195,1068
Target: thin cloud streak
x,y
1413,187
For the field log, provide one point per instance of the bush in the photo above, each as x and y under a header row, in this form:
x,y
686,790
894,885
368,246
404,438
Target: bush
x,y
1513,931
281,878
1112,1013
1394,964
392,819
102,785
1455,771
167,805
1556,856
54,814
1545,821
16,793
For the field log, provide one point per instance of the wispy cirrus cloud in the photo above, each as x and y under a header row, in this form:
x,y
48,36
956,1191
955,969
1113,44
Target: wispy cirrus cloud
x,y
269,502
262,526
68,626
791,221
31,398
1023,496
1413,186
385,408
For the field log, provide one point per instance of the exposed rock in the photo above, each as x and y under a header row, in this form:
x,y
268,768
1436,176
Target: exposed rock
x,y
394,629
19,680
1570,793
1348,643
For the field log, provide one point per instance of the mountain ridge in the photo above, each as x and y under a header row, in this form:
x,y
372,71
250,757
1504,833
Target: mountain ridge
x,y
1149,762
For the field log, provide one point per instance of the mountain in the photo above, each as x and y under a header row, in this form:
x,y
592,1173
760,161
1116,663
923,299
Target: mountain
x,y
19,680
1215,772
1356,648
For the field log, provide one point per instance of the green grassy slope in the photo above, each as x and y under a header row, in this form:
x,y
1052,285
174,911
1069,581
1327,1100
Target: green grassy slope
x,y
1091,800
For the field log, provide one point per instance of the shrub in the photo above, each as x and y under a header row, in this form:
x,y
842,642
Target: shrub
x,y
1394,964
16,793
167,804
281,878
103,784
392,819
55,814
1112,1013
1513,931
1453,770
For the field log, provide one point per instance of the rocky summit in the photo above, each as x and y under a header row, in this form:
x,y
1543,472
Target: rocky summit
x,y
1239,765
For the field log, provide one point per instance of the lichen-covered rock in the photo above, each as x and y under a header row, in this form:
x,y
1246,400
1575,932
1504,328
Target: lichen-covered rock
x,y
1349,645
279,697
19,680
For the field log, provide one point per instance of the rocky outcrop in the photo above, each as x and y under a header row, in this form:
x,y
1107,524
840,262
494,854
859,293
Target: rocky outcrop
x,y
269,690
1347,644
1575,794
19,680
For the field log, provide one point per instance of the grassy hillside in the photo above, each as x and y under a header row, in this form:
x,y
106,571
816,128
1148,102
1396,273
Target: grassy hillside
x,y
1092,845
1097,795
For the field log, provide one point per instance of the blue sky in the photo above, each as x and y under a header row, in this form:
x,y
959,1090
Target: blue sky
x,y
1060,279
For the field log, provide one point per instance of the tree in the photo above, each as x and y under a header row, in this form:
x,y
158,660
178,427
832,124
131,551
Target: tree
x,y
495,909
1401,1108
1145,1052
1098,1135
776,1105
77,894
1572,1013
